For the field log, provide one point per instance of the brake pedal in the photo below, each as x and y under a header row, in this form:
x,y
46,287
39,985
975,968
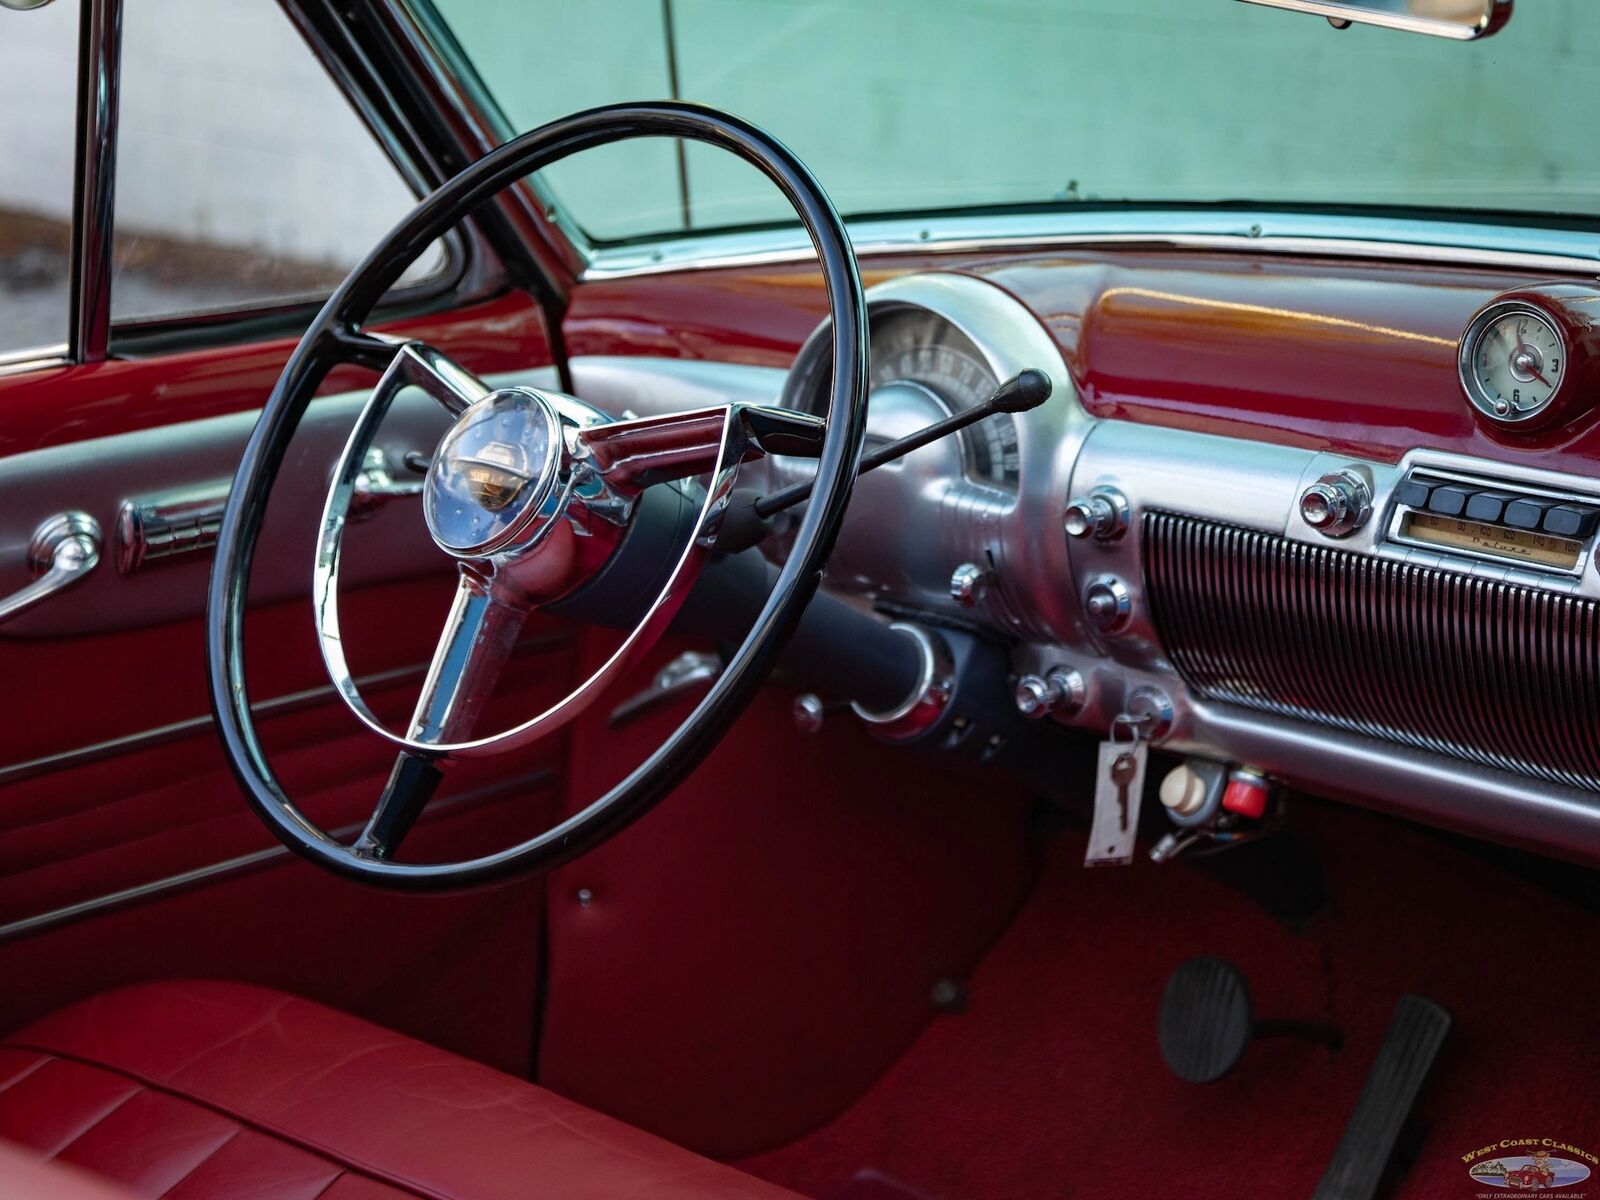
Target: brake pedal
x,y
1410,1044
1208,1021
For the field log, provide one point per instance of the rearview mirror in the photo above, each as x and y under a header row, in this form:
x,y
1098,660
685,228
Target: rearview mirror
x,y
1462,20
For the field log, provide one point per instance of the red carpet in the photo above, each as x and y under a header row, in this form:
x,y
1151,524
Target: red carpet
x,y
1051,1084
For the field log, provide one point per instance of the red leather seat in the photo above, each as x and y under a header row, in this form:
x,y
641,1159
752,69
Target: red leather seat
x,y
189,1091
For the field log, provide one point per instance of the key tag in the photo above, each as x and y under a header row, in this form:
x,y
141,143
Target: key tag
x,y
1118,789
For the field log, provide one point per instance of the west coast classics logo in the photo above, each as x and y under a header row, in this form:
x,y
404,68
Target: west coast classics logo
x,y
1544,1165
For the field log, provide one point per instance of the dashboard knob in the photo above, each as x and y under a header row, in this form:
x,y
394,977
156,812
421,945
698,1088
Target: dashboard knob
x,y
1061,688
1107,603
969,584
808,712
1101,515
1336,505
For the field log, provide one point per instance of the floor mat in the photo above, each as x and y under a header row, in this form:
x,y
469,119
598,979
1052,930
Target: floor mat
x,y
1051,1084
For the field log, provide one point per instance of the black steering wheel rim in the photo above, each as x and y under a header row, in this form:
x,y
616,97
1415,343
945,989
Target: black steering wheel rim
x,y
332,339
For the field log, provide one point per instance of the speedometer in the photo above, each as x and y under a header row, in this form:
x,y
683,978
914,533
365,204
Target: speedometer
x,y
916,347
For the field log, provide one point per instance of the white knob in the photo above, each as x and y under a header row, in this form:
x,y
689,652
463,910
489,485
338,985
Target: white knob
x,y
1183,791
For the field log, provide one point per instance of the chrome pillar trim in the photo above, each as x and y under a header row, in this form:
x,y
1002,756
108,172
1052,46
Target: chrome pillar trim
x,y
1442,241
1477,800
454,83
63,551
52,918
99,71
926,701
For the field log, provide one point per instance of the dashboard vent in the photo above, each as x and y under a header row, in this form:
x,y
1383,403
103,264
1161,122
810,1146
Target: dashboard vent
x,y
1488,672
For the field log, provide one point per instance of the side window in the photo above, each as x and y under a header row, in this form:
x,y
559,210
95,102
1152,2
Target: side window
x,y
38,114
244,177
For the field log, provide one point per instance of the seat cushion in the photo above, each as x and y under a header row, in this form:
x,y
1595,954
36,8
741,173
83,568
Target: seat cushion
x,y
189,1091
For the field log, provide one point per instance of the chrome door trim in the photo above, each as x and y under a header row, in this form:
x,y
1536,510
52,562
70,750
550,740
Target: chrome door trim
x,y
290,702
123,897
1255,231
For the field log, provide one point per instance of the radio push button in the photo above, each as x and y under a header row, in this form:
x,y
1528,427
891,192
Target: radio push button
x,y
1413,493
1489,506
1450,500
1526,514
1571,520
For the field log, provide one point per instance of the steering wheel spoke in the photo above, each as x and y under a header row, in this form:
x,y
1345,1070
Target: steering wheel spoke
x,y
484,622
411,784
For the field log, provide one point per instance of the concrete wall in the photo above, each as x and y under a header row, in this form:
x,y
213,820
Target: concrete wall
x,y
231,132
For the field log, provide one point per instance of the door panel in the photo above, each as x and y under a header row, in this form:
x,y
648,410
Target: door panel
x,y
126,849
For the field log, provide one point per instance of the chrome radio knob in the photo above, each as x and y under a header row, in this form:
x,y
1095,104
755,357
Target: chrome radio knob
x,y
969,584
1101,515
1107,603
1061,688
1336,505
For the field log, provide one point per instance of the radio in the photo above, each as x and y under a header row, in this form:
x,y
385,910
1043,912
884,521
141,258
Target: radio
x,y
1541,537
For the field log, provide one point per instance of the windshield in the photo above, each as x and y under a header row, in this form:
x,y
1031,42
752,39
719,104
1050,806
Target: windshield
x,y
904,106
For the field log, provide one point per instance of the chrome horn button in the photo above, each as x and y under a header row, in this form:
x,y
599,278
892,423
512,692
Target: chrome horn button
x,y
494,474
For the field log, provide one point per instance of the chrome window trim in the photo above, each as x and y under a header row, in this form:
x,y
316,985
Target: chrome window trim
x,y
1258,231
35,358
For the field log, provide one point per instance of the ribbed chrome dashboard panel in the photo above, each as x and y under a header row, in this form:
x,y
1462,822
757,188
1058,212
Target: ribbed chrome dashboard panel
x,y
1481,670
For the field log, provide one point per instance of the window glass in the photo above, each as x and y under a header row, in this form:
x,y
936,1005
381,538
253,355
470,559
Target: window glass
x,y
908,105
244,177
38,131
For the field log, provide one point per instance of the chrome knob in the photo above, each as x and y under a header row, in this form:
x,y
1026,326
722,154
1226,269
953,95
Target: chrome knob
x,y
969,583
808,712
1061,689
1336,505
1101,515
1107,603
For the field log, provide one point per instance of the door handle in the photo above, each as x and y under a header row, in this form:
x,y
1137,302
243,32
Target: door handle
x,y
63,551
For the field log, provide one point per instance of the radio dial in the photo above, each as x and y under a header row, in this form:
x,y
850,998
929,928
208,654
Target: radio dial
x,y
1336,505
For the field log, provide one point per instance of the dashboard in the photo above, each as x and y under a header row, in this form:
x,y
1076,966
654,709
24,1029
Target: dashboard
x,y
1338,519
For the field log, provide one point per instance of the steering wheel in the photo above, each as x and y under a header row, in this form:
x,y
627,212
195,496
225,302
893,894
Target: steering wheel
x,y
533,495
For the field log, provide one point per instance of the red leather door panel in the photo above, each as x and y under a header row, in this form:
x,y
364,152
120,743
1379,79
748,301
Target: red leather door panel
x,y
126,850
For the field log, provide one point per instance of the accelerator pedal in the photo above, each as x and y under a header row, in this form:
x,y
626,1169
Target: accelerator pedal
x,y
1410,1044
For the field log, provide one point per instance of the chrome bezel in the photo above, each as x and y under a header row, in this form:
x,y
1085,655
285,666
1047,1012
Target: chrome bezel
x,y
1396,532
1468,349
550,472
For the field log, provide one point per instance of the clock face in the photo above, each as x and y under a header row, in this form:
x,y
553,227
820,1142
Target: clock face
x,y
1513,360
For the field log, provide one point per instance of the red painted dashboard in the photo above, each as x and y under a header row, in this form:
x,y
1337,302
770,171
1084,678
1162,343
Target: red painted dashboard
x,y
1325,354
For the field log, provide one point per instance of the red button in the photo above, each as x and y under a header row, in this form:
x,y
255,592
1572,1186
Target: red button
x,y
1247,796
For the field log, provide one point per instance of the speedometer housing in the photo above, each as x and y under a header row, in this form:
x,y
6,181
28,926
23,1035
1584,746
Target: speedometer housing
x,y
916,347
